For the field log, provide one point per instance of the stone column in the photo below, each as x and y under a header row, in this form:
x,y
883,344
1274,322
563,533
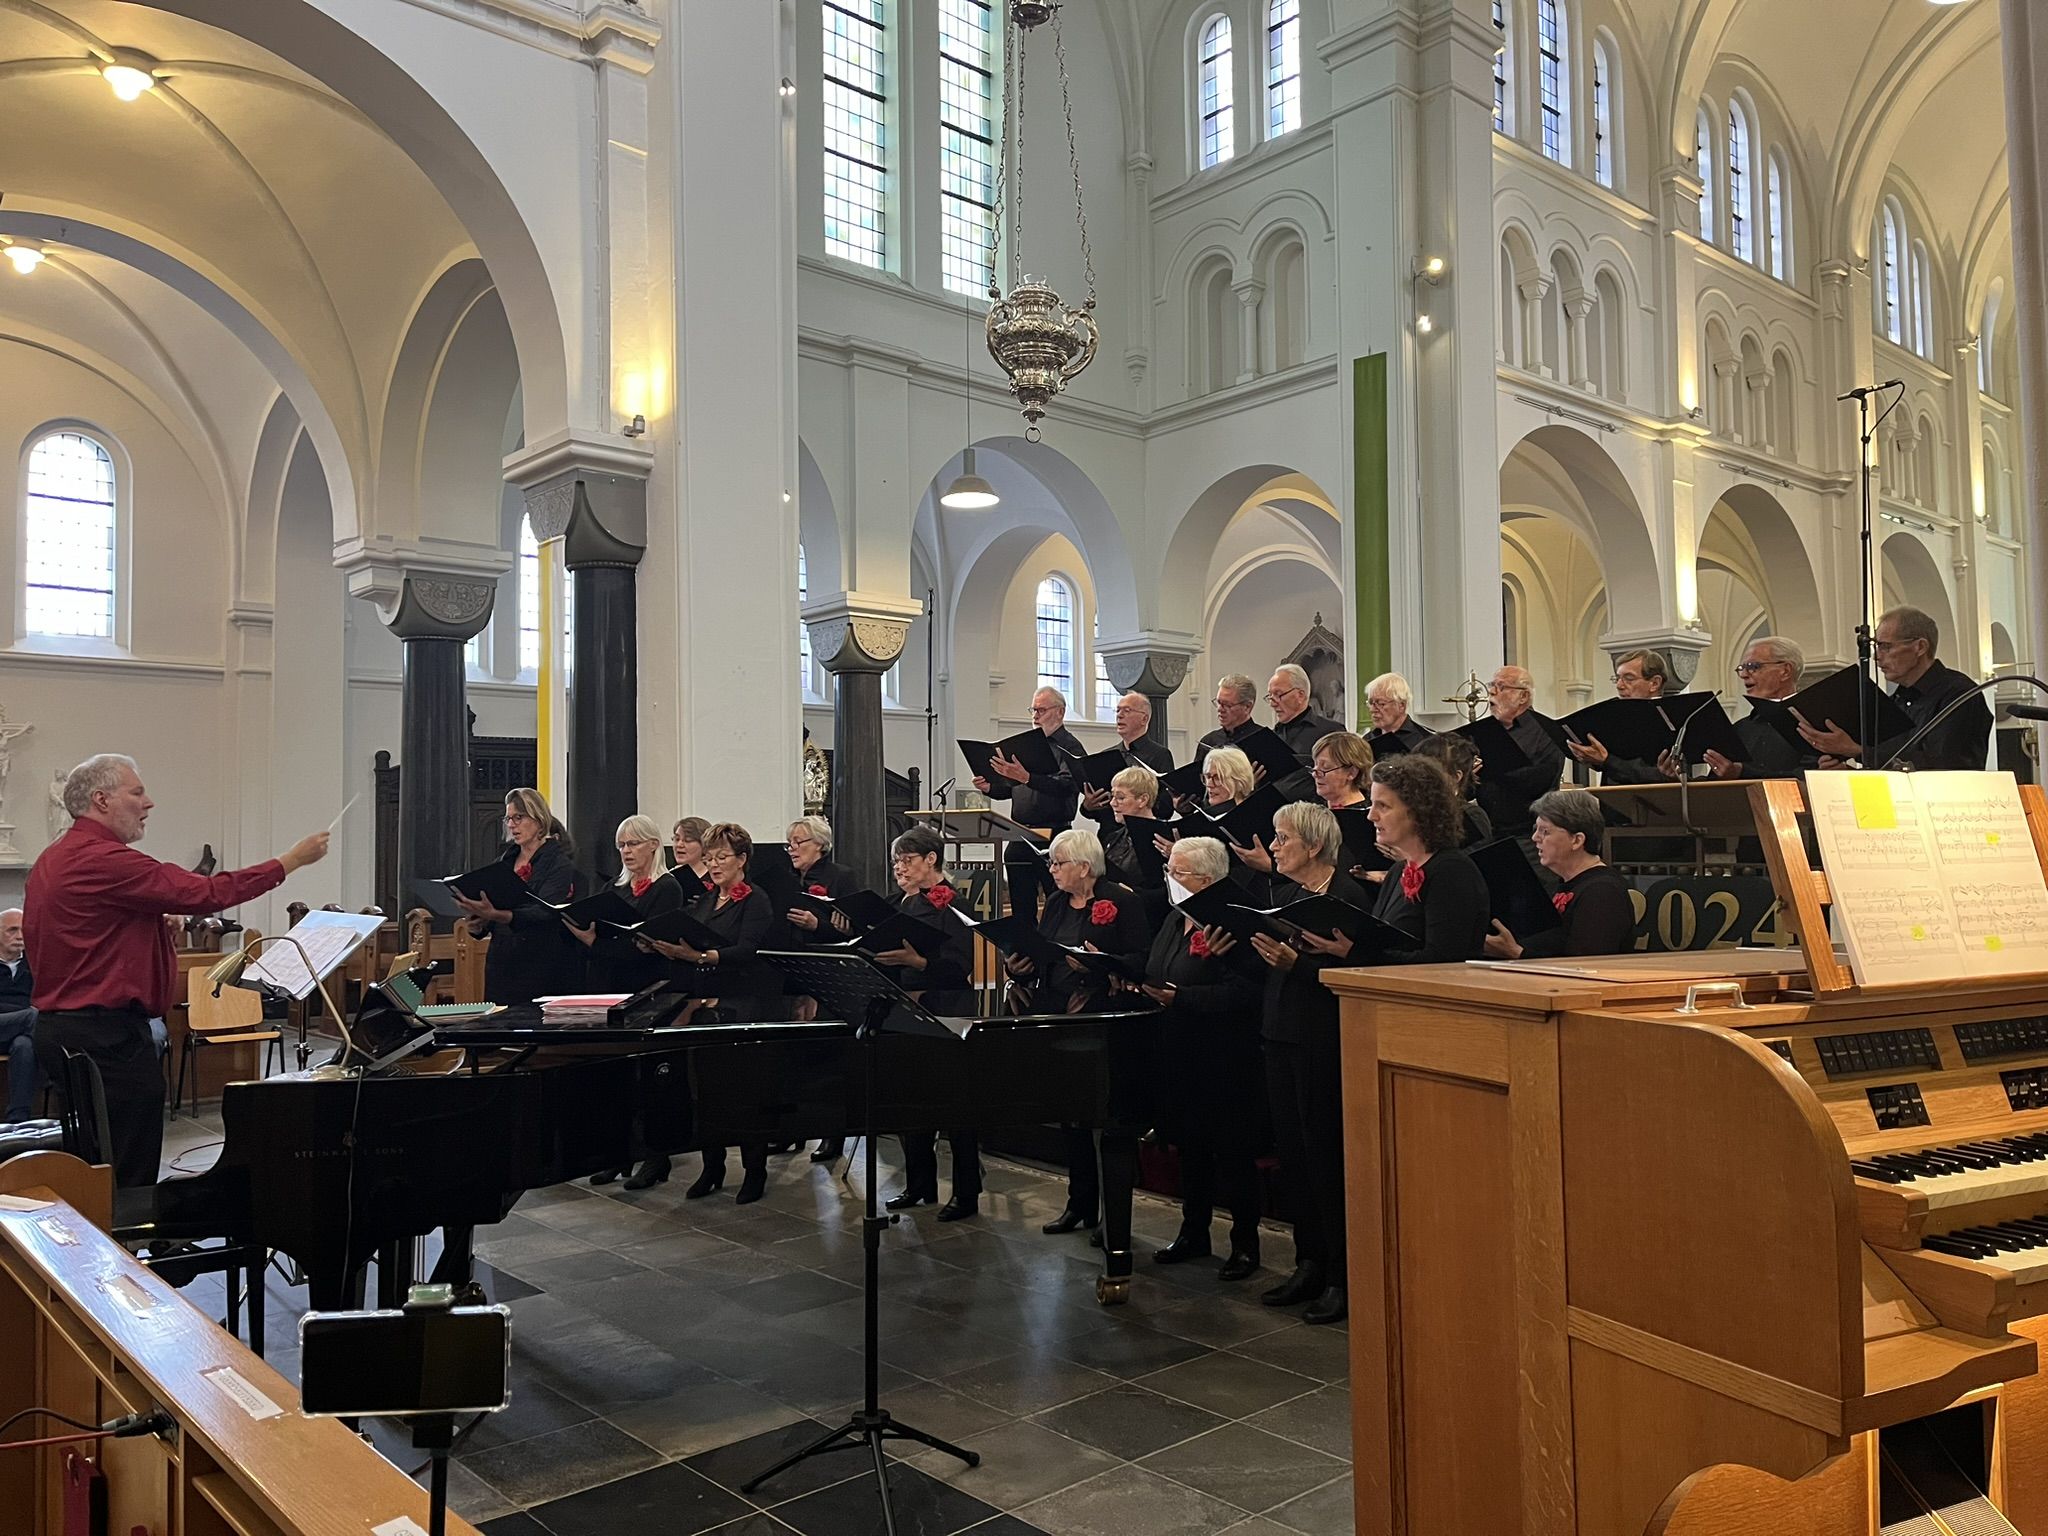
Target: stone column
x,y
1154,665
856,637
435,615
1761,430
591,493
2023,36
1248,292
1576,309
1535,356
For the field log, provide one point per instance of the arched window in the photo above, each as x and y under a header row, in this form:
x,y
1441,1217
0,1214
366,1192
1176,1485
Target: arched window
x,y
1056,636
1554,82
1987,340
1105,693
1510,624
1740,237
1891,307
856,118
1217,144
1603,115
69,538
1704,164
1283,67
529,599
803,630
1923,302
967,138
1503,97
1776,230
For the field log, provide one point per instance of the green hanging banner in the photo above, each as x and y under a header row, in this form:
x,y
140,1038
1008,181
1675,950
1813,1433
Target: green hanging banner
x,y
1371,575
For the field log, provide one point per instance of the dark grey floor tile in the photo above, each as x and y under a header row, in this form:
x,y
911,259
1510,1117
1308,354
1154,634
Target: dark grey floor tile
x,y
1130,1351
553,1466
666,1501
1323,1353
513,1525
534,1410
756,1524
732,1465
761,1226
1003,1525
932,1408
729,1266
502,1286
942,1347
1321,1420
513,1252
1246,1467
1257,1525
576,1269
1026,1383
1325,1512
677,1248
1128,1421
1129,1501
610,1223
702,1417
468,1495
797,1291
1220,1322
1229,1384
1019,1463
838,1377
924,1506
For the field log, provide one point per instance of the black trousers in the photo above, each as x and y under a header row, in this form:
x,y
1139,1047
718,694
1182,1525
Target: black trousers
x,y
1084,1174
753,1156
18,1045
1218,1166
1026,880
921,1163
119,1042
1306,1087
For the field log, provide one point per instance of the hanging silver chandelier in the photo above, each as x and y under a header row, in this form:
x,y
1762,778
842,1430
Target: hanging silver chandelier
x,y
1038,339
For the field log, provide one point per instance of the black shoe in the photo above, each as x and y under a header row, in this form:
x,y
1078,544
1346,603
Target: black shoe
x,y
907,1199
829,1152
752,1187
780,1148
1305,1284
653,1171
708,1182
609,1176
1326,1308
1069,1220
960,1207
1181,1249
1239,1266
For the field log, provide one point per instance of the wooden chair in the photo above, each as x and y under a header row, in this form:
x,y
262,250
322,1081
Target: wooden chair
x,y
469,965
233,1018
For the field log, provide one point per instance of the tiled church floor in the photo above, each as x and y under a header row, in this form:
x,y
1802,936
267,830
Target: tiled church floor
x,y
666,1350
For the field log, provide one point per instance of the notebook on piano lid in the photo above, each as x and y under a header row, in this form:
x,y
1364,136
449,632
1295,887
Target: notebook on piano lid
x,y
1031,748
862,909
406,989
1513,889
1021,935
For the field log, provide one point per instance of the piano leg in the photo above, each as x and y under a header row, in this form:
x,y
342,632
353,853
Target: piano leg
x,y
1119,1178
334,1290
394,1272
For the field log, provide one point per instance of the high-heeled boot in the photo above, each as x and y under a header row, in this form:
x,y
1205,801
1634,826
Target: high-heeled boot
x,y
653,1171
709,1181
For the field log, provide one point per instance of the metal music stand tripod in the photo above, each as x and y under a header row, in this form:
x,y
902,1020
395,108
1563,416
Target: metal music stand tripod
x,y
858,990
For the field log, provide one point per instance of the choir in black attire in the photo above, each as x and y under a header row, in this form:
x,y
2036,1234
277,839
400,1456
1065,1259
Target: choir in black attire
x,y
531,954
1596,914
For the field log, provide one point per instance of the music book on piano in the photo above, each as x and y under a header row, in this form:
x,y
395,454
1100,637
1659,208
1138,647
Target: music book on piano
x,y
1032,748
863,909
1513,888
1021,935
1834,698
1239,823
1933,876
1496,748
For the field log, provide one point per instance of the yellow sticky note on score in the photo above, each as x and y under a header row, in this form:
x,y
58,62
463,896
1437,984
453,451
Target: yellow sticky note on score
x,y
1871,799
1993,942
1919,934
1991,838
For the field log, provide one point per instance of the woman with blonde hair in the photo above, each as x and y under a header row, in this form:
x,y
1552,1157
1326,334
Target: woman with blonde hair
x,y
531,953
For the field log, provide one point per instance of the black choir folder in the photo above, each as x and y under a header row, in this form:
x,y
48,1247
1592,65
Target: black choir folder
x,y
1213,907
1021,935
1096,769
1032,748
1496,748
1834,698
1513,888
1237,823
863,909
494,882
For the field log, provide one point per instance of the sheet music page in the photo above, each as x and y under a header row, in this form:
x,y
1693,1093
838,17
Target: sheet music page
x,y
1878,851
1988,864
328,939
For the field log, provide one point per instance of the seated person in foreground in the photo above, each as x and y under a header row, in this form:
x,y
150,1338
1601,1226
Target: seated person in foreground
x,y
1593,902
17,1020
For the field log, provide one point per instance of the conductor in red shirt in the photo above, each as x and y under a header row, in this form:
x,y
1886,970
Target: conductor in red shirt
x,y
102,955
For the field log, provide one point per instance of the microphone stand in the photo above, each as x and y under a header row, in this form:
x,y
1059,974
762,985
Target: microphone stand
x,y
1956,703
1866,653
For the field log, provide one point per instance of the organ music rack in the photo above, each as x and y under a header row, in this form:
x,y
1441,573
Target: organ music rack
x,y
1612,1272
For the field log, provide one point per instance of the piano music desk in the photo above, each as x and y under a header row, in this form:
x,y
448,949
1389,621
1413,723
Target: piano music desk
x,y
86,1330
1611,1273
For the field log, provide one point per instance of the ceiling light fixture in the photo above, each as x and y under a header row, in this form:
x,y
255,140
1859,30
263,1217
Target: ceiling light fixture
x,y
129,74
25,258
969,492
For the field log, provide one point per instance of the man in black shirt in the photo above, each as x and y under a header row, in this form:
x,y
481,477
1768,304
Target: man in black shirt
x,y
1133,720
1637,675
1295,723
17,1019
1236,694
1922,687
1036,799
1394,730
1769,670
1505,796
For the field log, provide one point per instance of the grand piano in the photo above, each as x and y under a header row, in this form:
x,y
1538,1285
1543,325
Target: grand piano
x,y
337,1170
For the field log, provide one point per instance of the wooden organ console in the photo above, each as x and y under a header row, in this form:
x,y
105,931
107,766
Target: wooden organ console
x,y
1702,1244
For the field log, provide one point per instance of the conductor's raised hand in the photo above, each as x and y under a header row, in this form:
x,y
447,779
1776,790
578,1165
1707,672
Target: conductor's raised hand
x,y
310,849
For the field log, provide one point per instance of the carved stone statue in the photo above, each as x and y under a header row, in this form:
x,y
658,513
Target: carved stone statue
x,y
9,854
58,816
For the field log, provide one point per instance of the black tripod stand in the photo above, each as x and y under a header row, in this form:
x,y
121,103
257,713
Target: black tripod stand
x,y
853,986
1866,681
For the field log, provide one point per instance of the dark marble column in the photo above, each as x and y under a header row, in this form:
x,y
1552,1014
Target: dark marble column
x,y
1154,672
604,686
857,647
435,618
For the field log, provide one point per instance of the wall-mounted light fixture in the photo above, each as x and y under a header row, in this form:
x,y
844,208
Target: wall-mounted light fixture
x,y
1430,269
787,88
1424,325
637,427
24,258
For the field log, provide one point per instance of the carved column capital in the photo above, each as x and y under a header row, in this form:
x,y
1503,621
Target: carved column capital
x,y
860,632
1680,648
595,485
439,605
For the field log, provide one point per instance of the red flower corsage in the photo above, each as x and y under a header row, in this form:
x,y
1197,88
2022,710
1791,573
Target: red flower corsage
x,y
710,884
1411,881
740,891
1198,944
640,887
940,896
816,890
523,871
1562,900
1102,914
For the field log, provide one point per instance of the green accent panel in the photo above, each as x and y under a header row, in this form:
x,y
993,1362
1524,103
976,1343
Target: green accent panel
x,y
1371,576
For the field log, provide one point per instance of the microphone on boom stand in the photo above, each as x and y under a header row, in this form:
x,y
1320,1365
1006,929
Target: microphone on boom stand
x,y
1864,392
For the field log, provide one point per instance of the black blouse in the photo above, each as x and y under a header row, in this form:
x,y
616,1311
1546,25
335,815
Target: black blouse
x,y
952,968
744,985
1298,1008
1451,917
1599,917
534,955
1127,935
618,963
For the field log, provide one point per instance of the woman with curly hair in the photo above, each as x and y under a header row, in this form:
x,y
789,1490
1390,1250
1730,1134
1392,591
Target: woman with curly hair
x,y
1434,893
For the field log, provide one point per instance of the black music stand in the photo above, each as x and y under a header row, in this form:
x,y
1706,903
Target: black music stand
x,y
862,993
